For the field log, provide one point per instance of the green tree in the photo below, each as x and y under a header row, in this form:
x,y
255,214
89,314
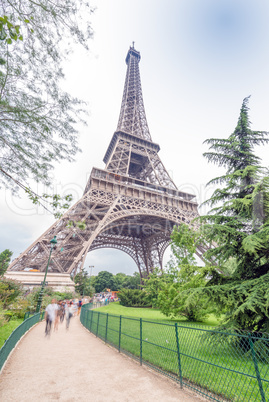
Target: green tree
x,y
82,283
237,227
120,280
127,281
132,281
38,118
238,223
104,280
183,276
154,284
5,258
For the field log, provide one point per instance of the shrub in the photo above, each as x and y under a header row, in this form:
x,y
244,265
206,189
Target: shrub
x,y
9,291
133,298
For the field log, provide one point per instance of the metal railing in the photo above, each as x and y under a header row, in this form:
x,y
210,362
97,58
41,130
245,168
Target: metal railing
x,y
221,366
16,335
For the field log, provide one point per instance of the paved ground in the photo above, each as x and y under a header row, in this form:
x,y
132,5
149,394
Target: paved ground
x,y
74,365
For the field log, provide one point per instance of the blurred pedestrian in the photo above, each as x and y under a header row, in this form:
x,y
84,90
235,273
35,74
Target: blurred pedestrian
x,y
57,316
50,314
79,306
62,311
75,308
68,313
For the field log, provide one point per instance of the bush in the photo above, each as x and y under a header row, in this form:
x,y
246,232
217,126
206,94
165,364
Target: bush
x,y
18,308
9,291
3,319
133,298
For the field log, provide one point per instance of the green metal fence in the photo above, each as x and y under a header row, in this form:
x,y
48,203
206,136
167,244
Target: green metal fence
x,y
16,335
221,366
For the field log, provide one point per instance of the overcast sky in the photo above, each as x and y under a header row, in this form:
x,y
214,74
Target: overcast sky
x,y
199,60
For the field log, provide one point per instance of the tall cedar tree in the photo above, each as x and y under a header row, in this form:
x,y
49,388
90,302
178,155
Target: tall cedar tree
x,y
238,227
238,221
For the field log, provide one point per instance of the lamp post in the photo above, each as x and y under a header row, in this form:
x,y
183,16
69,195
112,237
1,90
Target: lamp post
x,y
53,242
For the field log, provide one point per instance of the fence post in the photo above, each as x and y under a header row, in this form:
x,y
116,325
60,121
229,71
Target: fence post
x,y
106,327
178,356
97,323
119,333
91,321
256,368
141,342
87,319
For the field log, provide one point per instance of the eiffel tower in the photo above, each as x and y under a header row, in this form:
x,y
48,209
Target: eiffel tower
x,y
131,205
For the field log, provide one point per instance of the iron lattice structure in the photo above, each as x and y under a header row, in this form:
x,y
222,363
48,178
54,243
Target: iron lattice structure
x,y
131,205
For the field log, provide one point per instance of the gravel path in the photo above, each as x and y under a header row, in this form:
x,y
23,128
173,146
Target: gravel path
x,y
74,365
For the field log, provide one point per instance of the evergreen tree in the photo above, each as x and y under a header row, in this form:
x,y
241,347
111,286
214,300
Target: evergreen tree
x,y
237,227
238,222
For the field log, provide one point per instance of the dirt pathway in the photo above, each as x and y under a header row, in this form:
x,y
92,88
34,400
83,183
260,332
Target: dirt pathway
x,y
74,365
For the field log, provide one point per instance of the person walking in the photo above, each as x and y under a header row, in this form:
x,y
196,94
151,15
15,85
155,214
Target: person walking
x,y
79,306
68,313
50,314
57,316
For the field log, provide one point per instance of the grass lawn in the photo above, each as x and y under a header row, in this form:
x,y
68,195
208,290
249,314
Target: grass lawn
x,y
218,367
152,314
7,329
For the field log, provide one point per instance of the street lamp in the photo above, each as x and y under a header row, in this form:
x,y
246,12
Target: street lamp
x,y
53,242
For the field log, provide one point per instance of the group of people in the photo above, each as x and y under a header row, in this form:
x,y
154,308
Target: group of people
x,y
104,298
57,311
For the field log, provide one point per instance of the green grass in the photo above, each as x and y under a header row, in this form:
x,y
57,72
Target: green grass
x,y
145,313
218,367
7,329
152,314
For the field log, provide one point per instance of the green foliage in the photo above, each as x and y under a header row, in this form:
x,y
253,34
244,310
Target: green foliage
x,y
174,298
184,244
5,258
17,308
170,290
77,224
8,31
127,281
83,285
7,329
237,227
133,298
244,303
104,280
64,295
3,318
238,223
38,118
155,282
9,291
53,203
48,295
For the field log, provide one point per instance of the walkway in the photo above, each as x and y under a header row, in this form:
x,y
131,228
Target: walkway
x,y
74,365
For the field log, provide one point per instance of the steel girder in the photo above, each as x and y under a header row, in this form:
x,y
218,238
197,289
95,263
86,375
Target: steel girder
x,y
139,225
131,205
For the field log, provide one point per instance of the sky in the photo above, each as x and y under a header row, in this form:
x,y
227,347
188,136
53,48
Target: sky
x,y
199,60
